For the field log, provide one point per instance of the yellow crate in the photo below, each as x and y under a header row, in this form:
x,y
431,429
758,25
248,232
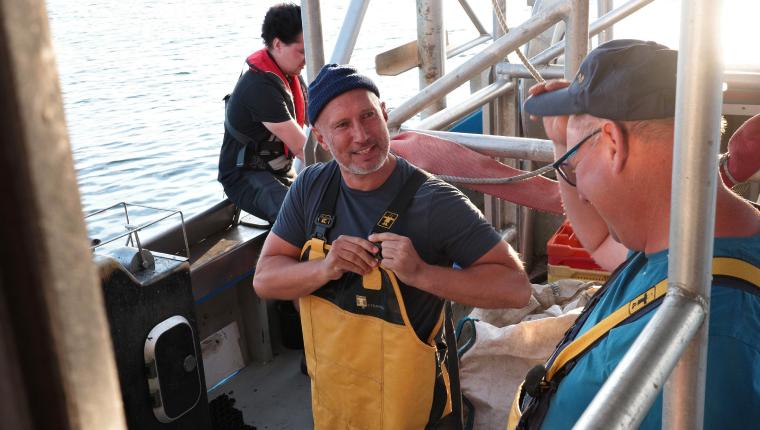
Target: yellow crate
x,y
565,272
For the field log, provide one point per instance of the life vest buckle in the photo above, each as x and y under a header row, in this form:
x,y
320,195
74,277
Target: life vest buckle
x,y
535,381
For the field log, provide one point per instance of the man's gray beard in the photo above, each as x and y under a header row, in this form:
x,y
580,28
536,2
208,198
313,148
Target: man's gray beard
x,y
358,171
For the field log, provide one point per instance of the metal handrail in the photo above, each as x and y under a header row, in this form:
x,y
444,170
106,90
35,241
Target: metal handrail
x,y
132,230
487,58
450,115
523,148
601,24
474,101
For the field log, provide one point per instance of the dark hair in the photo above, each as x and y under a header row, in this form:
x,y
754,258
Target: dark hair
x,y
282,21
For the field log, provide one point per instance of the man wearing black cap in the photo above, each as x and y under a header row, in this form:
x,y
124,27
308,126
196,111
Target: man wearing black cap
x,y
612,129
367,243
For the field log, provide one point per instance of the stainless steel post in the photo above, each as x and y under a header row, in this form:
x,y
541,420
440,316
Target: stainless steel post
x,y
495,209
576,37
431,46
349,32
487,58
311,20
602,7
692,219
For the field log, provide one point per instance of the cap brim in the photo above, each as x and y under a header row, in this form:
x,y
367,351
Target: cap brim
x,y
553,103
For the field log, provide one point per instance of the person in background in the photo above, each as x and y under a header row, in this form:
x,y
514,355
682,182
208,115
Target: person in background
x,y
612,130
367,242
264,118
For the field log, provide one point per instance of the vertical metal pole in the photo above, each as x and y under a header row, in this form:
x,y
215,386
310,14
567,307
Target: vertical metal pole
x,y
602,7
311,20
694,185
492,206
349,32
526,218
431,46
49,286
576,37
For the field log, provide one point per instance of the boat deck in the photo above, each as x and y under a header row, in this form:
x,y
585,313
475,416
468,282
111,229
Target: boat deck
x,y
272,395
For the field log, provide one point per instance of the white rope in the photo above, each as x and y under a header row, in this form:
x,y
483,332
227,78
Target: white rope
x,y
486,181
503,23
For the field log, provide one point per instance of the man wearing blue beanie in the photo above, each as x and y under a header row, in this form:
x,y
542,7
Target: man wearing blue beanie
x,y
367,243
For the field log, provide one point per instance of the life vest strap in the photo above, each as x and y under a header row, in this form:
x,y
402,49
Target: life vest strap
x,y
722,266
745,275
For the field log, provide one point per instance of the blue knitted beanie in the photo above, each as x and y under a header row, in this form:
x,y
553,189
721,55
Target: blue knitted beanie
x,y
332,81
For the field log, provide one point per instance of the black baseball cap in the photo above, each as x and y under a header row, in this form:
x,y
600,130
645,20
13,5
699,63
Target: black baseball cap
x,y
625,80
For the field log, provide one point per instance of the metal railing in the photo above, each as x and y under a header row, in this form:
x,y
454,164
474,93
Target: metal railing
x,y
131,231
487,58
453,114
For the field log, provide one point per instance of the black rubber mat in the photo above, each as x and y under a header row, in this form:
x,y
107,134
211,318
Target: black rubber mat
x,y
224,416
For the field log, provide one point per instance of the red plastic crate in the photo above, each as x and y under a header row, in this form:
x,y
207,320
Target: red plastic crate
x,y
564,249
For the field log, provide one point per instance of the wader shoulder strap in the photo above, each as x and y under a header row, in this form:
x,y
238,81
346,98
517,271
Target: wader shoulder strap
x,y
722,266
326,215
400,203
452,363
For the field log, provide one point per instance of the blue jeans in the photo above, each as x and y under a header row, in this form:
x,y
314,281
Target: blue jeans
x,y
257,192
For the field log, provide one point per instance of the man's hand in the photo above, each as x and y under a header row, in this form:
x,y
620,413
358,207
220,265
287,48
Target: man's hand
x,y
555,126
350,254
744,157
400,256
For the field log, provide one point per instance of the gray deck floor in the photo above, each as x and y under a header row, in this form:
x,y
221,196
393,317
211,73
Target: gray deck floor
x,y
272,396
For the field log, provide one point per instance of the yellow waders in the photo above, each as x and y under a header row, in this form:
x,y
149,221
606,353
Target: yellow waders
x,y
368,367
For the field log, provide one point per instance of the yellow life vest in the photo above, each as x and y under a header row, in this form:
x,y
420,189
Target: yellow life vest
x,y
746,273
368,367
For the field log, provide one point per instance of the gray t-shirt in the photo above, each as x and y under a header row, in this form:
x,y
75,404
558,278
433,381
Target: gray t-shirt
x,y
444,226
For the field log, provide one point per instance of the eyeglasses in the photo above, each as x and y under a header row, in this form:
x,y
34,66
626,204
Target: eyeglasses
x,y
562,165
